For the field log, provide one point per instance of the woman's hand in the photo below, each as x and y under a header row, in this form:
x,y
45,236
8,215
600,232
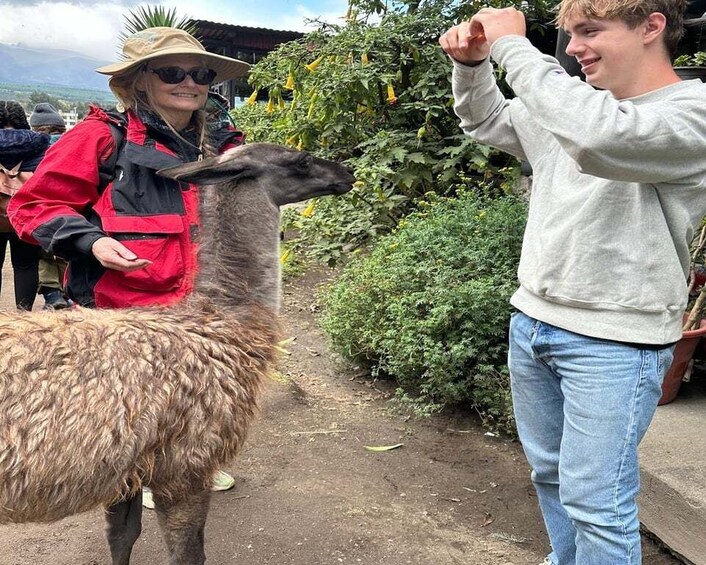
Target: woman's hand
x,y
114,255
469,42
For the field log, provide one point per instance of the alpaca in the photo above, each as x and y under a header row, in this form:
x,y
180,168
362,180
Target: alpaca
x,y
94,404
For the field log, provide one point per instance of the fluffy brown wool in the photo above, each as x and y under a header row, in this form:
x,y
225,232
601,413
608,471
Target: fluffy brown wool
x,y
172,402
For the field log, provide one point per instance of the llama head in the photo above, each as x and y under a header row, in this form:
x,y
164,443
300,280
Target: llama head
x,y
287,175
239,213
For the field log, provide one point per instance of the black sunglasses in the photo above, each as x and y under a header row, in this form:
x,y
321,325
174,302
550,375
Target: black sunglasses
x,y
175,75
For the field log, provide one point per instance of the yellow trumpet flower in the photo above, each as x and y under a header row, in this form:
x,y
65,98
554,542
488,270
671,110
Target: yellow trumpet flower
x,y
391,98
252,98
270,106
311,67
280,103
364,59
290,81
308,212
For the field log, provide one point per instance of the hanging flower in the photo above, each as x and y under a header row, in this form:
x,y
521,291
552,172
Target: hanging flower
x,y
311,67
270,105
280,102
391,98
290,81
364,59
252,98
308,212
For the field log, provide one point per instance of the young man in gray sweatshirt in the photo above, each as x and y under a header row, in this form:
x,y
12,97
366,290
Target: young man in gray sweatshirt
x,y
619,188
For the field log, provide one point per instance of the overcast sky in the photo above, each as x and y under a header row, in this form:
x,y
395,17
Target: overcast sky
x,y
92,28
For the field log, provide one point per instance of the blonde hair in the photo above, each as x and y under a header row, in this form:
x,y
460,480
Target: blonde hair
x,y
631,12
124,86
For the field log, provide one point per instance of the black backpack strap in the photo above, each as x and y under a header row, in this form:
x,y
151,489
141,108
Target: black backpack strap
x,y
106,168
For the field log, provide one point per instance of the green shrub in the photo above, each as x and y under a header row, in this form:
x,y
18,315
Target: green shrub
x,y
429,306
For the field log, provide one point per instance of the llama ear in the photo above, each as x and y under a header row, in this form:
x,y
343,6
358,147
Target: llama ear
x,y
208,171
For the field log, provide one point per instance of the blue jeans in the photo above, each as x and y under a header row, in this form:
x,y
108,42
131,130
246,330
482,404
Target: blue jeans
x,y
582,406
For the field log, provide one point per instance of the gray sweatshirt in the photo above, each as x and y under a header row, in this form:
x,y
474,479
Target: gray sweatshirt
x,y
619,189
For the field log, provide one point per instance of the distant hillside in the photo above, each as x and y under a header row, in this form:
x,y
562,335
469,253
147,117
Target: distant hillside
x,y
21,93
50,67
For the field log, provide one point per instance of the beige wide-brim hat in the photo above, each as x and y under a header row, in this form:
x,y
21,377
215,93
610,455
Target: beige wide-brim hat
x,y
156,42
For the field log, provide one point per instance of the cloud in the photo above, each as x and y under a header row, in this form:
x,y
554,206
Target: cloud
x,y
73,2
93,28
61,25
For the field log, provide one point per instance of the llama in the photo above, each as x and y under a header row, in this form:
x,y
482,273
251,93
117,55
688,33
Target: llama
x,y
94,404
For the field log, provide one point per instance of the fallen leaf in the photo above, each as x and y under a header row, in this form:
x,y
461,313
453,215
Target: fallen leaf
x,y
383,447
488,520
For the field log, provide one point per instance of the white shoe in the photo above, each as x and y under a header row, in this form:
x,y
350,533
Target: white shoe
x,y
147,500
222,481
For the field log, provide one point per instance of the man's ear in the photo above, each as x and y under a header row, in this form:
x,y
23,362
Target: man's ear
x,y
654,27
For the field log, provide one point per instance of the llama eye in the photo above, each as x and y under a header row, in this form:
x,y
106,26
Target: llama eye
x,y
304,163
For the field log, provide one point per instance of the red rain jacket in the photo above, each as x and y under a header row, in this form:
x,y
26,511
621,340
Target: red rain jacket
x,y
63,209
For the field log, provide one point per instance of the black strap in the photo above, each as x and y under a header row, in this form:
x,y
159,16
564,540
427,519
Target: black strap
x,y
106,169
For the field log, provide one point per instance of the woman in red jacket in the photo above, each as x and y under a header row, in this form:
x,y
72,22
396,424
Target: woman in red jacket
x,y
129,235
131,241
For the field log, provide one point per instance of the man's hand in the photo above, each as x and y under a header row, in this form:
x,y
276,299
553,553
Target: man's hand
x,y
114,255
465,43
469,42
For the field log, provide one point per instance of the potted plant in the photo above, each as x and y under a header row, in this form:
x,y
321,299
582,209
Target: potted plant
x,y
694,323
691,62
691,66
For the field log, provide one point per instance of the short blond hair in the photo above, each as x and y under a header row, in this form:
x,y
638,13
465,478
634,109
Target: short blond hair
x,y
632,12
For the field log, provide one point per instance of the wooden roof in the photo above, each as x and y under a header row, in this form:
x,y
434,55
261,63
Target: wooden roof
x,y
242,37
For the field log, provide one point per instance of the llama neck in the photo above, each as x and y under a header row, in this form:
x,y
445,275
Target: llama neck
x,y
239,251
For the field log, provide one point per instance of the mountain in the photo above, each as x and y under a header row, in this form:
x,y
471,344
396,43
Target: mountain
x,y
57,67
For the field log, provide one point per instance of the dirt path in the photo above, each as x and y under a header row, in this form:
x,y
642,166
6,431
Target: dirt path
x,y
309,493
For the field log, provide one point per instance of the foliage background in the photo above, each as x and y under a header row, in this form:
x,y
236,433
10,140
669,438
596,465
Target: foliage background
x,y
375,91
429,236
430,304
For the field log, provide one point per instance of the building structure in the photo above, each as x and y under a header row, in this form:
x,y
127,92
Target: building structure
x,y
70,118
249,44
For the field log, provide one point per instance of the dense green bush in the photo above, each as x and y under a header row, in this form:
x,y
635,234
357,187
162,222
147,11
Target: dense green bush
x,y
429,306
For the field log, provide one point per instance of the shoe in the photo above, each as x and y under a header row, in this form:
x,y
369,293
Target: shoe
x,y
222,481
54,300
147,500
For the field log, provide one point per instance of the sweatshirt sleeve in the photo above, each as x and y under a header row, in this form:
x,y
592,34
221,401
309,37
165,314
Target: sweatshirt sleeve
x,y
483,110
49,209
650,138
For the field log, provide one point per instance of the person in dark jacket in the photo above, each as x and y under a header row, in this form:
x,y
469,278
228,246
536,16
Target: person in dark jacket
x,y
21,150
46,119
132,240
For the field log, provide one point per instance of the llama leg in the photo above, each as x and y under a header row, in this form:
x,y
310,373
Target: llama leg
x,y
182,524
124,527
